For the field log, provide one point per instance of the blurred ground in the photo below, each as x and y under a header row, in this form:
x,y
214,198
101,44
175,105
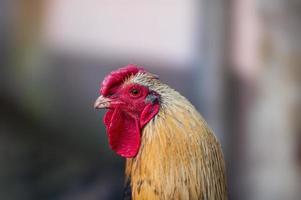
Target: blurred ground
x,y
238,62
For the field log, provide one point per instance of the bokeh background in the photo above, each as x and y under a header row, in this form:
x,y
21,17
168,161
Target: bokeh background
x,y
237,61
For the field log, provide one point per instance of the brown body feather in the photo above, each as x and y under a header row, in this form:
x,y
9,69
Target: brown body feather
x,y
179,157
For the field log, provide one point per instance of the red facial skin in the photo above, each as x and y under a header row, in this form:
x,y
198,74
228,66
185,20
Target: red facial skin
x,y
131,107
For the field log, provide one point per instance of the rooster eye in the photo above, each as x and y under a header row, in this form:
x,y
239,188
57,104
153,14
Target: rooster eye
x,y
135,92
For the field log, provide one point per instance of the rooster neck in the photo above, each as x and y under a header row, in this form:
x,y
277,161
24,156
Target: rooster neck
x,y
179,157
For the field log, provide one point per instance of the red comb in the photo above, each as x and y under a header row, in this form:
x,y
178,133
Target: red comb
x,y
115,78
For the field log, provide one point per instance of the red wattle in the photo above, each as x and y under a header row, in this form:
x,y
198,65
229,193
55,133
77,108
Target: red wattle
x,y
123,132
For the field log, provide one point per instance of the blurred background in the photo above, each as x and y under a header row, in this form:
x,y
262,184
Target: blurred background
x,y
237,61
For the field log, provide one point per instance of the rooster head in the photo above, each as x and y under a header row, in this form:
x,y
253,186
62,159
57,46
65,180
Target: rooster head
x,y
130,105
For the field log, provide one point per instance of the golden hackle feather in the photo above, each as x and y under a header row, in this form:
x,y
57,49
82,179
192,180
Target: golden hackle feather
x,y
179,157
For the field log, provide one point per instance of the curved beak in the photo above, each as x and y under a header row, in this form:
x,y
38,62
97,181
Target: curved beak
x,y
102,102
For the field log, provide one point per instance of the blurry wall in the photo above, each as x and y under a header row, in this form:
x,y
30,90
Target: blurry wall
x,y
156,30
273,133
266,64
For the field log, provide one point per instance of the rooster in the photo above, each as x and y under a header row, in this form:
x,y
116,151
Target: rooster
x,y
170,151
